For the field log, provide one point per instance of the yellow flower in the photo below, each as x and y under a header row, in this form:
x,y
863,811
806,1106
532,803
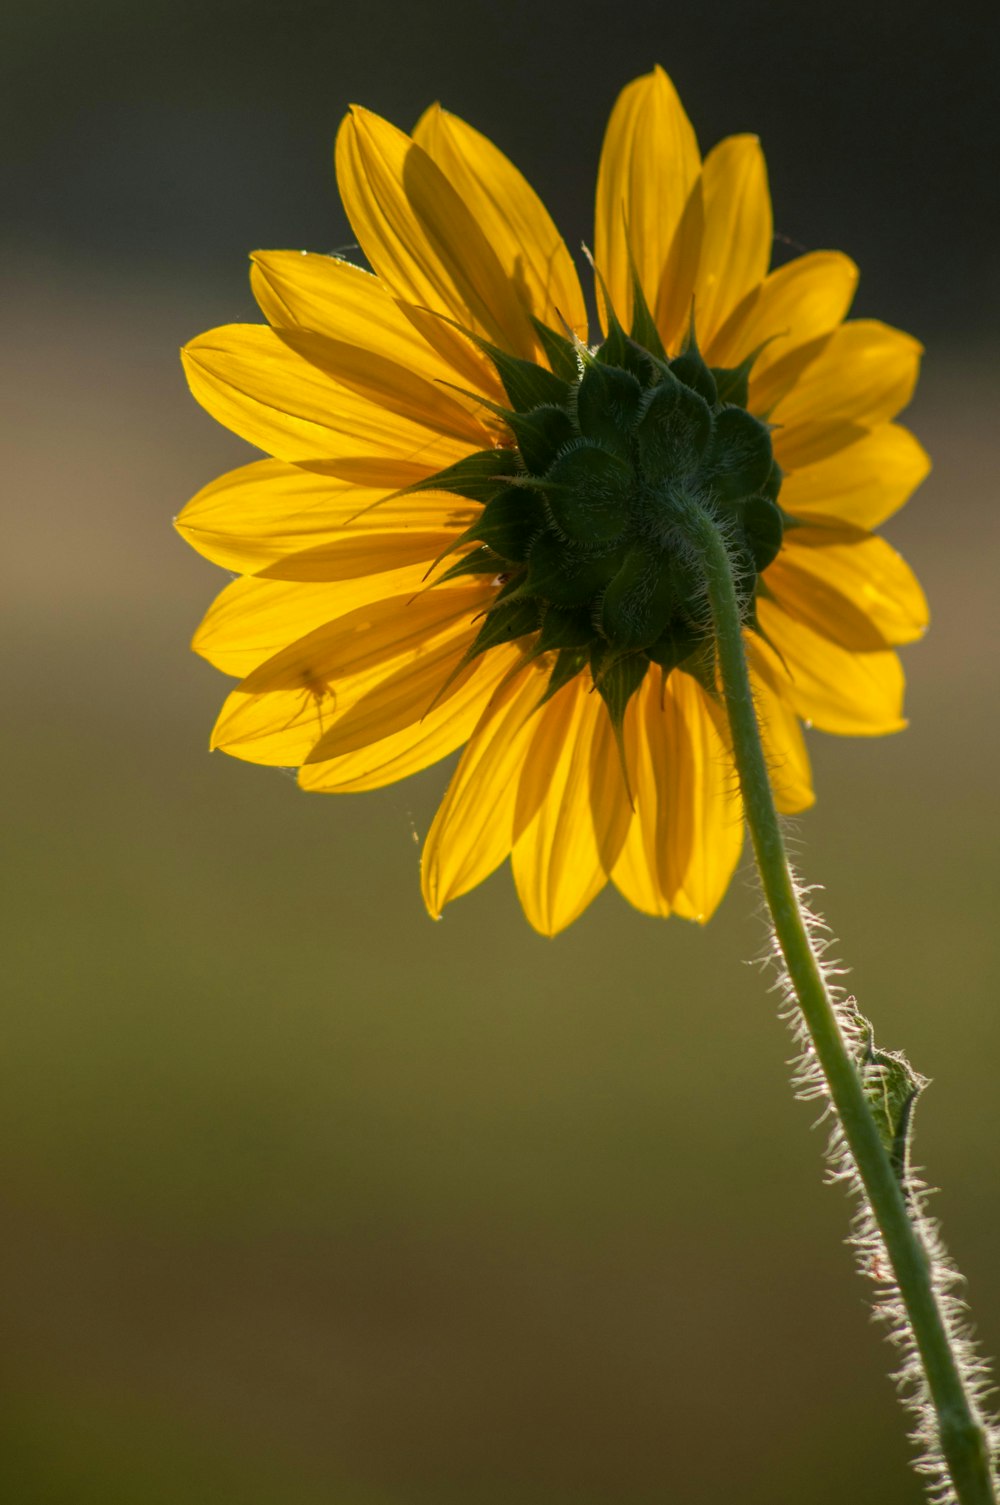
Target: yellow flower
x,y
464,538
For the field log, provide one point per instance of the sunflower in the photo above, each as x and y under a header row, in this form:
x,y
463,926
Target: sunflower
x,y
467,532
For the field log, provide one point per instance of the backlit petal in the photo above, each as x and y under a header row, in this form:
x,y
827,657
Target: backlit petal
x,y
558,863
284,706
436,734
706,795
473,830
259,515
396,701
795,304
848,585
864,375
253,619
257,385
512,216
851,694
610,803
736,240
419,236
863,484
335,298
657,847
649,166
784,745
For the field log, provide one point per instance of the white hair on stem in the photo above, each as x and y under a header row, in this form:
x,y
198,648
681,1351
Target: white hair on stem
x,y
810,1085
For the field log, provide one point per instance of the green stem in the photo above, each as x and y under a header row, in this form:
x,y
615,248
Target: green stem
x,y
963,1439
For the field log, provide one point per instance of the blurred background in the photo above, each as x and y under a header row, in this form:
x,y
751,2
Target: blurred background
x,y
308,1199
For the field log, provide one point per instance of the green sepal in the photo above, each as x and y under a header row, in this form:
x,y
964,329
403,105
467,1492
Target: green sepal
x,y
561,352
763,530
608,402
617,677
540,435
701,665
644,330
674,432
477,476
565,627
738,461
569,663
565,578
511,587
675,644
638,602
508,524
690,368
479,562
618,349
505,621
733,382
587,491
527,384
772,486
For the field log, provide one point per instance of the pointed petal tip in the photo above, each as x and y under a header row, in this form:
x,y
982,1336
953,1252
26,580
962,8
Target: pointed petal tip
x,y
360,117
429,893
186,530
547,928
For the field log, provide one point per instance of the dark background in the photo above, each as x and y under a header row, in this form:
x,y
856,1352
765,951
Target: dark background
x,y
311,1200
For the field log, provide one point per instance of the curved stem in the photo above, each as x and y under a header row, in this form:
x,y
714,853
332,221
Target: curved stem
x,y
963,1439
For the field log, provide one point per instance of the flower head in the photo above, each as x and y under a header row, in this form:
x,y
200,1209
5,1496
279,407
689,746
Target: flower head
x,y
470,534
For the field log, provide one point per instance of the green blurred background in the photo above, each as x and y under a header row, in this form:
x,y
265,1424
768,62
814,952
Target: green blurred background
x,y
308,1199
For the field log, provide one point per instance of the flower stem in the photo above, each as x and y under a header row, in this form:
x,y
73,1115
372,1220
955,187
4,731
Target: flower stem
x,y
962,1437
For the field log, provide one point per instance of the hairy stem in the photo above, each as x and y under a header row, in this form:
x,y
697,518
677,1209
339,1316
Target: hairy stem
x,y
963,1442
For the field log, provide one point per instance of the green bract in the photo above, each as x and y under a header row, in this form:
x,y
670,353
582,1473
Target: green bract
x,y
583,516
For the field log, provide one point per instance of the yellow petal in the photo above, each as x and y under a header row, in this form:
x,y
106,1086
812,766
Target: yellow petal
x,y
672,308
473,830
610,804
559,861
657,847
781,734
420,237
283,707
512,216
736,240
851,694
350,555
389,384
863,484
334,298
344,302
795,304
707,794
255,517
649,166
253,619
257,385
439,732
862,378
396,703
848,585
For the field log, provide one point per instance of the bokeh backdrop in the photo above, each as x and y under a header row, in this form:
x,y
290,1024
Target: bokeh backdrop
x,y
308,1199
